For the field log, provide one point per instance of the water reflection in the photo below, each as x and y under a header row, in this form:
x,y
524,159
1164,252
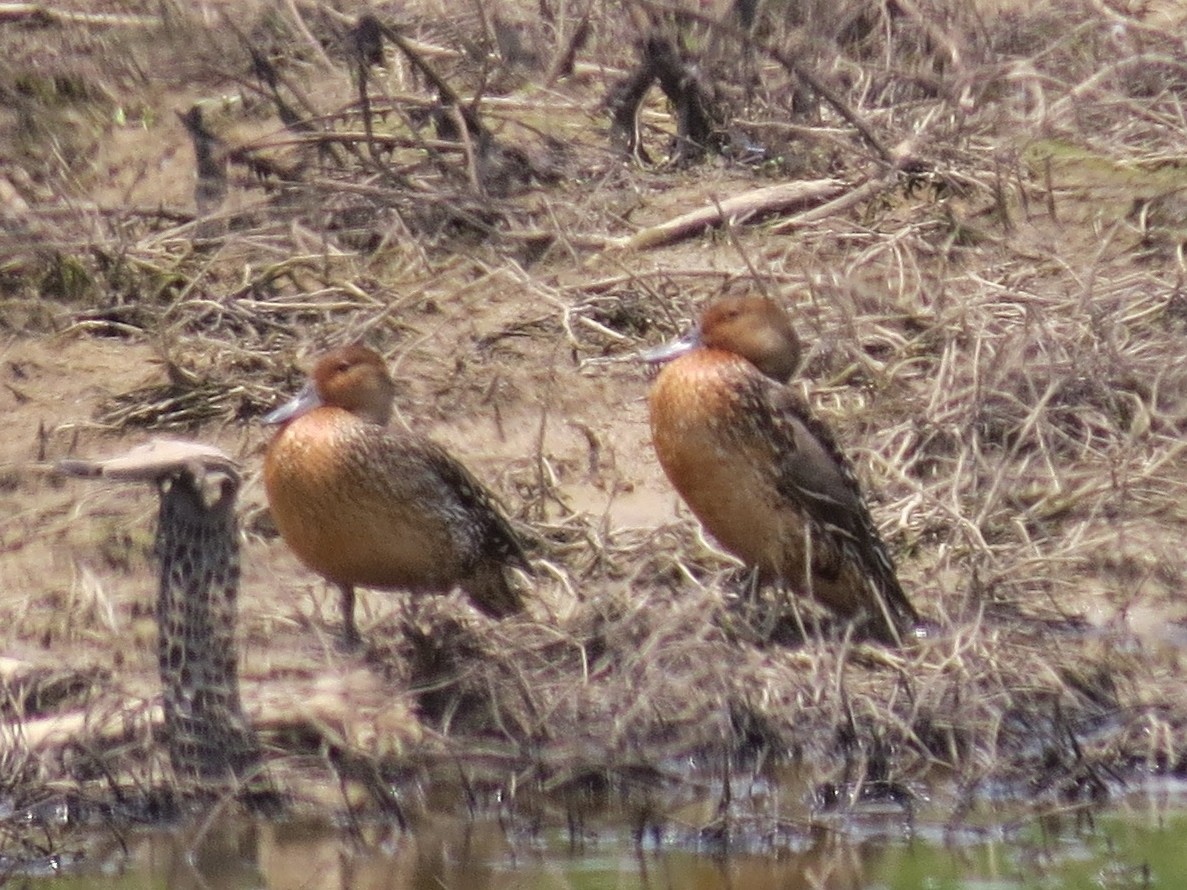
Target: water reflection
x,y
448,854
299,855
1135,845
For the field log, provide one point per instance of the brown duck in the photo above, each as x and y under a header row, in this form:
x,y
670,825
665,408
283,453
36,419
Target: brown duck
x,y
763,475
363,505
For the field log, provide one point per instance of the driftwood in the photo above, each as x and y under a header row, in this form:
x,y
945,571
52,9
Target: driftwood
x,y
851,198
105,730
737,209
49,14
341,710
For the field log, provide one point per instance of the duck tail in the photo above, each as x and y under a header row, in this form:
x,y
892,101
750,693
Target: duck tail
x,y
491,591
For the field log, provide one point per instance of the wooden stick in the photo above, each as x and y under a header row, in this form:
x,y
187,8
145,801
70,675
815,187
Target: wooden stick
x,y
19,12
57,730
856,195
740,208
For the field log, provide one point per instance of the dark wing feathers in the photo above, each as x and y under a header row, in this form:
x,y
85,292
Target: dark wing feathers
x,y
484,542
498,539
814,472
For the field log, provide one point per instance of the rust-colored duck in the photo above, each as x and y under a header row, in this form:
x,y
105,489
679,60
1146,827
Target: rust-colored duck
x,y
763,475
362,505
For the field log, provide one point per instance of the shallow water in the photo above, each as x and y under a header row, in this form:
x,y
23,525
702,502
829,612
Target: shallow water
x,y
1139,841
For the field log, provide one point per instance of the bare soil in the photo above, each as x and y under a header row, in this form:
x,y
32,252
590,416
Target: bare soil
x,y
996,335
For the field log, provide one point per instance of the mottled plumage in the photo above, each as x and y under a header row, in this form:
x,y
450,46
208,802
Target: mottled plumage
x,y
761,473
363,505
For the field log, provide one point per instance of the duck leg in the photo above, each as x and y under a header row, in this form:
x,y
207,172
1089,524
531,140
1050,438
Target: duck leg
x,y
351,639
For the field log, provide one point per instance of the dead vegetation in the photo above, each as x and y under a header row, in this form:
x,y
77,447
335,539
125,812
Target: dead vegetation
x,y
989,273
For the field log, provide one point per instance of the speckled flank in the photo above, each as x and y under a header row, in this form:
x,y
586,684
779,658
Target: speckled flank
x,y
763,476
364,506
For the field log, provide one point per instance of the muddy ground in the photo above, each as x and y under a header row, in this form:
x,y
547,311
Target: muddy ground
x,y
995,331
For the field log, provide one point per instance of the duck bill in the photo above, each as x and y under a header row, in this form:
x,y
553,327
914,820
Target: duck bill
x,y
676,348
302,403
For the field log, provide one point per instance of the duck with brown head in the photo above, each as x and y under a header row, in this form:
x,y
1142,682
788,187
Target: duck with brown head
x,y
762,474
364,505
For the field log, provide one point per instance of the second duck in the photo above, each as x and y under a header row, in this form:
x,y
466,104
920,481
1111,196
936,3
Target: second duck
x,y
763,475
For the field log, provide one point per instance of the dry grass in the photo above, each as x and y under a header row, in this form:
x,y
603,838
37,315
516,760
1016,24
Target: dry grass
x,y
997,336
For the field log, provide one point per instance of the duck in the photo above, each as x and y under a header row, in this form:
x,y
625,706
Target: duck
x,y
762,474
363,505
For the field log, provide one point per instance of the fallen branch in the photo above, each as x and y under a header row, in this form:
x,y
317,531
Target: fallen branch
x,y
738,209
47,14
98,731
851,198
